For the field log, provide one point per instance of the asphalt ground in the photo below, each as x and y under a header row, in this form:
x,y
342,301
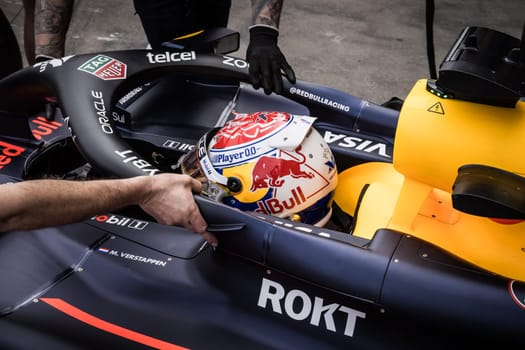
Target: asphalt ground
x,y
371,49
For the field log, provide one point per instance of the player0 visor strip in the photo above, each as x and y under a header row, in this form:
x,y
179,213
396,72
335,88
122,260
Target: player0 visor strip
x,y
96,322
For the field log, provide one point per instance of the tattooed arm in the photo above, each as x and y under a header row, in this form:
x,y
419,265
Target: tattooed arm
x,y
267,62
266,12
52,18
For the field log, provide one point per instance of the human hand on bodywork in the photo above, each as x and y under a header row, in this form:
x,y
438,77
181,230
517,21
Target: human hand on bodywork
x,y
170,201
267,61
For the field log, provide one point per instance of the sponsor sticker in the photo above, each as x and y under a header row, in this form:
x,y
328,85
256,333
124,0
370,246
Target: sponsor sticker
x,y
8,152
358,143
100,108
40,127
300,306
178,145
105,68
121,221
53,63
171,57
320,99
129,157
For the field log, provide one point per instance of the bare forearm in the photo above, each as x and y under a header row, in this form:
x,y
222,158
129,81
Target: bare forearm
x,y
41,203
267,12
168,198
52,18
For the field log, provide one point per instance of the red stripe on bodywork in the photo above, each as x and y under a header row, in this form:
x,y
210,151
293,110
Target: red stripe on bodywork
x,y
96,322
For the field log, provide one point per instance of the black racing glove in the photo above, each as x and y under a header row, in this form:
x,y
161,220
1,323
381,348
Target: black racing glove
x,y
266,60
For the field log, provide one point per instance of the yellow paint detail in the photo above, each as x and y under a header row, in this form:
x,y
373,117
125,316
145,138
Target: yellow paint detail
x,y
430,147
189,35
378,185
413,195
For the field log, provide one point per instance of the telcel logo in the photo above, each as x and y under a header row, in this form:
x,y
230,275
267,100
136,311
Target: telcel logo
x,y
9,151
312,309
168,57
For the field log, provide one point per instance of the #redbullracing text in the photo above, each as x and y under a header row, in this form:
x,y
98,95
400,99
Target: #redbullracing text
x,y
317,98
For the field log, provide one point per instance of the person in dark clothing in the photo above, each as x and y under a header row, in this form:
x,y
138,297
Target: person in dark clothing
x,y
164,20
11,58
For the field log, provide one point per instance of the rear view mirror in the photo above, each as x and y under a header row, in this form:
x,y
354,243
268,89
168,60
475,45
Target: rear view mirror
x,y
217,40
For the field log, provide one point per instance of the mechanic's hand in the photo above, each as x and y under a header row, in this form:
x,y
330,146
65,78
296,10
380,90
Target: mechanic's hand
x,y
170,201
266,60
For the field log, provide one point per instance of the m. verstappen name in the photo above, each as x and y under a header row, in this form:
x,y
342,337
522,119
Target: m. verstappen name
x,y
170,57
319,99
133,257
299,306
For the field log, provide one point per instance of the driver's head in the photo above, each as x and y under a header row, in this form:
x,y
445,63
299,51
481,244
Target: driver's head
x,y
269,162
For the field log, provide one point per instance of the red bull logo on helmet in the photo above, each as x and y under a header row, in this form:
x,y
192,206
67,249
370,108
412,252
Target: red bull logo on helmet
x,y
271,171
275,206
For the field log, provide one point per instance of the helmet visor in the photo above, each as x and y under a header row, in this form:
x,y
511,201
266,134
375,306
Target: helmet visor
x,y
197,164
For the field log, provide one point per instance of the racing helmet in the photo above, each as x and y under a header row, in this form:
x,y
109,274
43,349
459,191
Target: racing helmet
x,y
273,163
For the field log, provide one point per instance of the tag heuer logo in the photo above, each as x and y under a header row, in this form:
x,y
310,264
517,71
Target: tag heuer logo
x,y
105,67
